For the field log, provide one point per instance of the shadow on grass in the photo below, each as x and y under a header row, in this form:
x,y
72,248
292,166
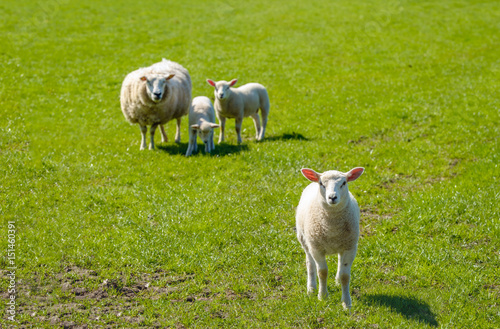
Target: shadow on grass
x,y
409,307
220,149
287,137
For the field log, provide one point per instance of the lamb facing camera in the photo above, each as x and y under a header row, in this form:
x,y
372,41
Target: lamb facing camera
x,y
327,222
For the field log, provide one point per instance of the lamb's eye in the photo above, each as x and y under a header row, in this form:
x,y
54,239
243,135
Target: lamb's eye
x,y
321,184
342,184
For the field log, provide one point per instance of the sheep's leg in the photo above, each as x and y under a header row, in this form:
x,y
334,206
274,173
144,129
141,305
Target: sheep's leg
x,y
344,274
211,142
144,130
311,273
264,124
192,142
178,131
222,122
256,121
164,137
322,269
239,122
152,133
264,111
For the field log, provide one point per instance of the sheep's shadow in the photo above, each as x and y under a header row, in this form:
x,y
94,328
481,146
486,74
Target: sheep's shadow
x,y
409,307
287,137
220,149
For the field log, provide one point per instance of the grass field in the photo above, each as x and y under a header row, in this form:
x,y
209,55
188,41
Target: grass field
x,y
109,236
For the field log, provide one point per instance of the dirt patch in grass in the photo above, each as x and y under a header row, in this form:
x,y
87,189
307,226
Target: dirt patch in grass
x,y
80,297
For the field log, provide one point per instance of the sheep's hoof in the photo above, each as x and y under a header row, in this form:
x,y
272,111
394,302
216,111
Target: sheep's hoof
x,y
323,296
347,307
310,290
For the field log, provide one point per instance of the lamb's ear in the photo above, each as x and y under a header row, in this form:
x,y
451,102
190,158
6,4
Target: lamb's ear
x,y
232,82
354,173
143,78
214,125
211,82
170,77
195,127
310,174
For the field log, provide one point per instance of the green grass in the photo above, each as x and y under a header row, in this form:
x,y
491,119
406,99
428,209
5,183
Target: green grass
x,y
406,89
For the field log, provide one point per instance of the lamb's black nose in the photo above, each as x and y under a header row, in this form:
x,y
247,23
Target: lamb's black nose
x,y
158,95
333,199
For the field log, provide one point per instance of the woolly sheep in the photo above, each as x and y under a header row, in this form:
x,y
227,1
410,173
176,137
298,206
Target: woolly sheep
x,y
154,95
201,122
239,103
327,222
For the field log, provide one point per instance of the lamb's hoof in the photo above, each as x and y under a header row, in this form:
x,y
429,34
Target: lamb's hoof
x,y
323,296
347,307
310,290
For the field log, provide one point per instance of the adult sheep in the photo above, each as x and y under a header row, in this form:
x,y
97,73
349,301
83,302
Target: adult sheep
x,y
154,95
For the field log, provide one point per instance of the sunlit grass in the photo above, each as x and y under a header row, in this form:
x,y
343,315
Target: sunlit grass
x,y
408,90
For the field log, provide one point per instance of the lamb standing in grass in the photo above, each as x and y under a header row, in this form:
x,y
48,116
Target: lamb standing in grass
x,y
154,95
328,223
239,103
201,121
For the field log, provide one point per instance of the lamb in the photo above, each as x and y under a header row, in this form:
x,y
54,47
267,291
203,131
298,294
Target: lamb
x,y
239,103
201,121
154,95
327,221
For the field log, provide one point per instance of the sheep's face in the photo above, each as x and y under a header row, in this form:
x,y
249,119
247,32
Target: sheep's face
x,y
205,131
222,88
156,86
333,184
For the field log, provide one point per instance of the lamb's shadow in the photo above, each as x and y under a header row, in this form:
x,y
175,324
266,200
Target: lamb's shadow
x,y
409,307
287,137
220,149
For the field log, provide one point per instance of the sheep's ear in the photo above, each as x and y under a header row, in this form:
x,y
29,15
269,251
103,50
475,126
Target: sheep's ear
x,y
143,78
170,77
211,82
354,173
214,125
310,174
233,82
195,127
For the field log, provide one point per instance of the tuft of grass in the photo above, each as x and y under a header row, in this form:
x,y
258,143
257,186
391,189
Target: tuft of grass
x,y
107,235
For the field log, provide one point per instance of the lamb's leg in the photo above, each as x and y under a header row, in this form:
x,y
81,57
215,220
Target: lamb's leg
x,y
144,130
178,131
211,142
264,124
311,273
239,122
344,274
152,133
192,141
256,121
164,137
322,269
222,122
264,111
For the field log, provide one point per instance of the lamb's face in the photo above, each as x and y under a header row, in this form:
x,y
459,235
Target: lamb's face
x,y
156,86
205,131
333,187
222,89
333,184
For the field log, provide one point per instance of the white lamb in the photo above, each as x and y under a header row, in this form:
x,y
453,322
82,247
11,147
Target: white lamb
x,y
154,95
201,122
239,103
328,223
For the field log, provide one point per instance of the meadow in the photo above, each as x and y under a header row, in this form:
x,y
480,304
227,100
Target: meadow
x,y
110,236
